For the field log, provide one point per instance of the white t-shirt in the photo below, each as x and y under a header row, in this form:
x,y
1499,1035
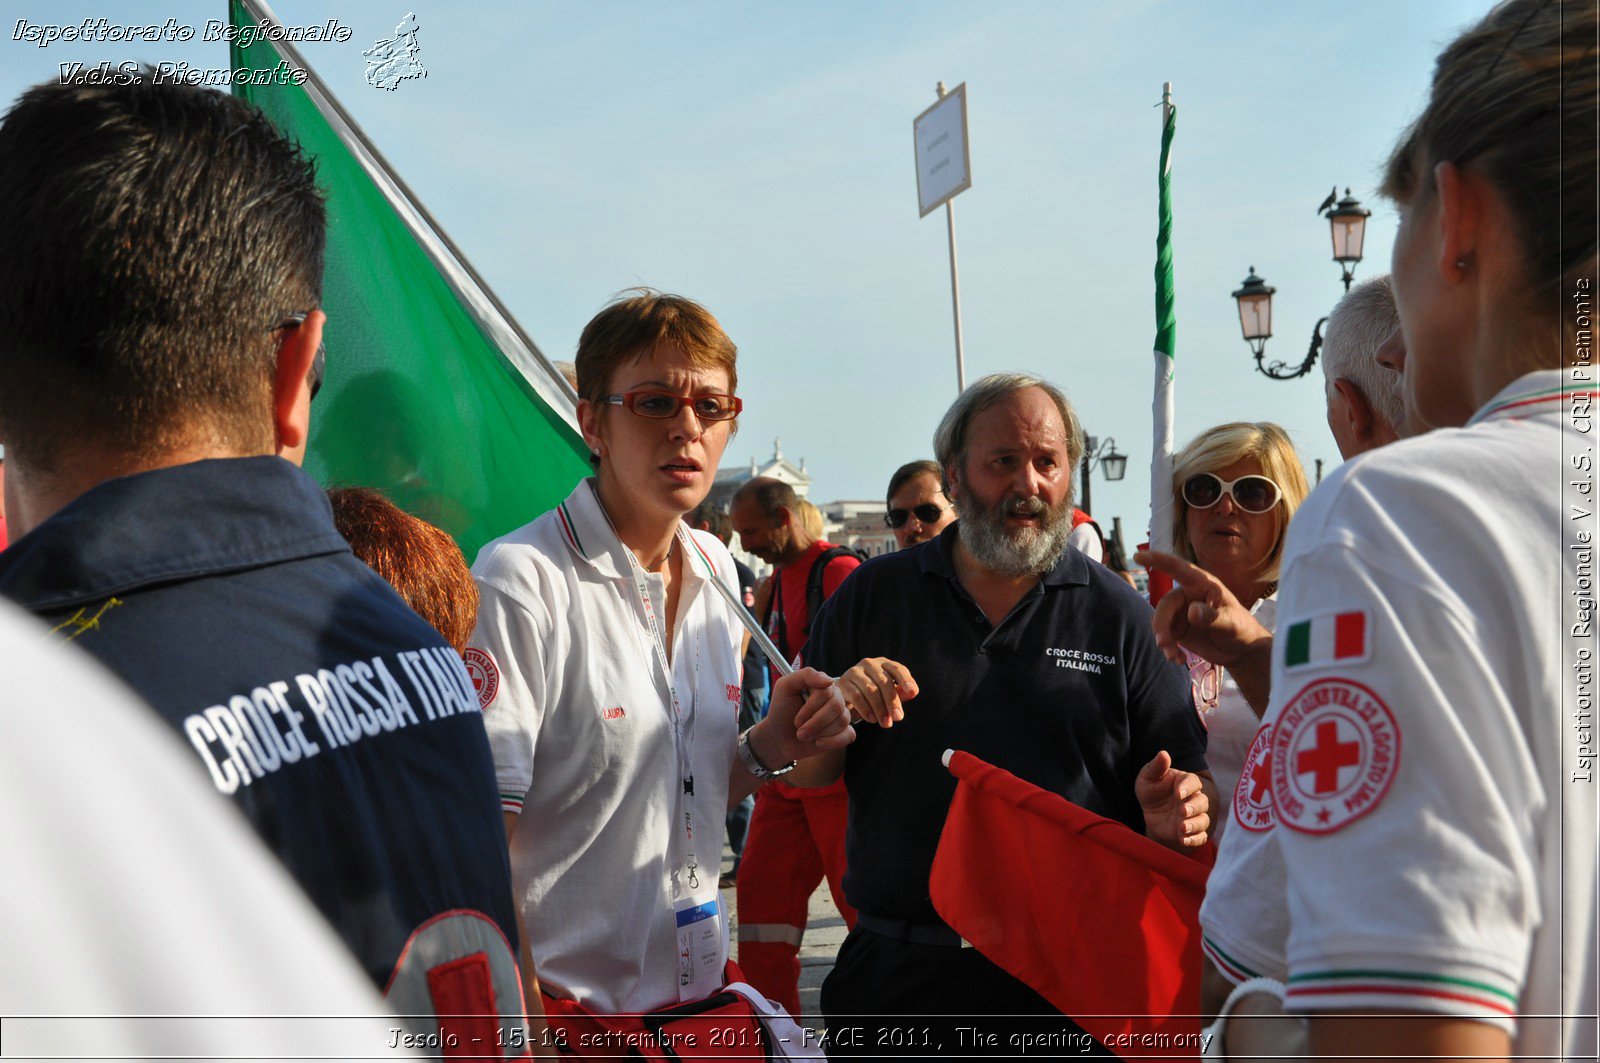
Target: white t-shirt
x,y
1087,541
1432,759
580,720
1232,725
135,892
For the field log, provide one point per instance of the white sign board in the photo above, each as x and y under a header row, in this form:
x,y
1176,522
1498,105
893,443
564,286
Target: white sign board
x,y
943,167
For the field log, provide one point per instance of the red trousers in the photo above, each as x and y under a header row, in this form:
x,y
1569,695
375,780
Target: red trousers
x,y
796,838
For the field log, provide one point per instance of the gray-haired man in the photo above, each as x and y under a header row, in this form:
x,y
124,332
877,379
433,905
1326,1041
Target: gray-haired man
x,y
1365,407
973,625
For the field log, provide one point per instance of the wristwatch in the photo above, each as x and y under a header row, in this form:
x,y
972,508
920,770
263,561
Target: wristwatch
x,y
752,763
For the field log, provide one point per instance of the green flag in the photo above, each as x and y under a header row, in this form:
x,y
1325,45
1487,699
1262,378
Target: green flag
x,y
433,394
1166,345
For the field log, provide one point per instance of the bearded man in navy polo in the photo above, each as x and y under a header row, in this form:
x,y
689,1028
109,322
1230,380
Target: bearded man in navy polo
x,y
996,639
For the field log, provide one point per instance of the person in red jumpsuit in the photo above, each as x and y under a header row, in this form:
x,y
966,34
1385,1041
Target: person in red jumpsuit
x,y
796,836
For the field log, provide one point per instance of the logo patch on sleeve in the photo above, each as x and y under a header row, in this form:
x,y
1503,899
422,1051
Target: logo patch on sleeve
x,y
1335,752
1345,638
1252,798
484,672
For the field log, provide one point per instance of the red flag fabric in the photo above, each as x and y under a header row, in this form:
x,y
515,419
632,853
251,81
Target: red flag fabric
x,y
1102,922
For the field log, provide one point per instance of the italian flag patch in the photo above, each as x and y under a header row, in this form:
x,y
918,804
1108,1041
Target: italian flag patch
x,y
1328,638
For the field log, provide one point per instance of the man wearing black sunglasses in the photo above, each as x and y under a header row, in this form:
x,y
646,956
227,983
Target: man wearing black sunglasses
x,y
918,507
158,246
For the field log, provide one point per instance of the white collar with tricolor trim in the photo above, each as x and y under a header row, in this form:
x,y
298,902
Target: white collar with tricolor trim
x,y
590,537
1533,394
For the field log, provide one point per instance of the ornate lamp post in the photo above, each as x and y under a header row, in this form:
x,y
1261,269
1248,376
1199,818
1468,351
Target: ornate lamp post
x,y
1105,455
1347,222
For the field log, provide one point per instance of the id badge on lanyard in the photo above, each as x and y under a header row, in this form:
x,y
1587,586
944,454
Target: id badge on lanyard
x,y
696,912
699,945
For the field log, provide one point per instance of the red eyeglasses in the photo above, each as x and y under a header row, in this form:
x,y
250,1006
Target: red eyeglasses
x,y
660,405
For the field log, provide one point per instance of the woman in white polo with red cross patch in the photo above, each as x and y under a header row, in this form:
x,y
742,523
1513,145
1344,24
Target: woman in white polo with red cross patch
x,y
609,671
1431,747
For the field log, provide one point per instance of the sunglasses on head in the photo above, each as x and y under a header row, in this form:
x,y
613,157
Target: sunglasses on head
x,y
660,405
319,362
1253,494
927,513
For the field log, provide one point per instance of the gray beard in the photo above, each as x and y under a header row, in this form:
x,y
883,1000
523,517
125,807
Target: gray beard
x,y
1028,552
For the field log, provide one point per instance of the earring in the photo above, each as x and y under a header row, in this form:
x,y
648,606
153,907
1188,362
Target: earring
x,y
1461,263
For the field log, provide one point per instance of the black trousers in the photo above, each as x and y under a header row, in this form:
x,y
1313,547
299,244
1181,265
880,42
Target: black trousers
x,y
887,997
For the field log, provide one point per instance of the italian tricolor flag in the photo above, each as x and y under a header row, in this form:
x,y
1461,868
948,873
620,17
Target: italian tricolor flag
x,y
1326,638
434,394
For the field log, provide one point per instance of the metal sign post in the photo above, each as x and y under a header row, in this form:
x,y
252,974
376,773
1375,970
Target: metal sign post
x,y
955,296
944,170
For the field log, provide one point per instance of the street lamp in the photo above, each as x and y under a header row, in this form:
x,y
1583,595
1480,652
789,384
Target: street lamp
x,y
1255,312
1105,455
1347,224
1348,221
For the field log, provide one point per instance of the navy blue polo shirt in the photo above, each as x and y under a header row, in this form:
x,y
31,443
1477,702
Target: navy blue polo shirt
x,y
1069,692
336,718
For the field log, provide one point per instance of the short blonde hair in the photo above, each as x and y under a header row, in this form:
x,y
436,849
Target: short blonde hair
x,y
810,518
1217,448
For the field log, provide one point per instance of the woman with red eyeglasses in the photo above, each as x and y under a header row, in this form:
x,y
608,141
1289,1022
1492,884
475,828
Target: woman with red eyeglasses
x,y
1235,487
609,675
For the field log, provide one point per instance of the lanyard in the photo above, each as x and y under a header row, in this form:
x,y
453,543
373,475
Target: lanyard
x,y
658,641
683,742
696,912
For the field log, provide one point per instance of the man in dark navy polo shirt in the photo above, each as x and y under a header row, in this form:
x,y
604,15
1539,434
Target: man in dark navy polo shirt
x,y
1003,643
160,267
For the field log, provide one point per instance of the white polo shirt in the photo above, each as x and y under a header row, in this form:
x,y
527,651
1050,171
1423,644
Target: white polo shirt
x,y
580,720
1244,919
1432,763
1232,725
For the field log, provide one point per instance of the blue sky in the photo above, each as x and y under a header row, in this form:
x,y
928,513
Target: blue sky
x,y
758,157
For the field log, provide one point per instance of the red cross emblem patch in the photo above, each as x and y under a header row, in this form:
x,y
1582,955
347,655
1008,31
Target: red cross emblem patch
x,y
1334,753
1252,798
485,674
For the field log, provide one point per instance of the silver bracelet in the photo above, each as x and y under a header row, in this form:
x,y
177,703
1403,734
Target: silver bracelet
x,y
752,763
